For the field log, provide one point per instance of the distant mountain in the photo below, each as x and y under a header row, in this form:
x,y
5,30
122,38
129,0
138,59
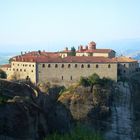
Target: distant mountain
x,y
4,57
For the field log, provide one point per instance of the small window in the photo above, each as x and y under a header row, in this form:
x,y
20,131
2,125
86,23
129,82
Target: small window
x,y
109,66
62,66
20,69
69,65
76,65
62,77
13,69
18,64
17,69
71,78
29,65
13,64
32,71
82,66
88,66
33,65
23,65
124,71
97,66
56,65
43,65
49,65
24,70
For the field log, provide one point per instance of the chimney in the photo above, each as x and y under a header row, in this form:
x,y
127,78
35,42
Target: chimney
x,y
86,47
80,48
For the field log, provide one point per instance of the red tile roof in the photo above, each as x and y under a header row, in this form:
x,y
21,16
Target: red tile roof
x,y
69,59
6,66
95,51
124,59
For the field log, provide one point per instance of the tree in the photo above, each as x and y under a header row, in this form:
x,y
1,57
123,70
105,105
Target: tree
x,y
84,81
93,79
3,75
73,51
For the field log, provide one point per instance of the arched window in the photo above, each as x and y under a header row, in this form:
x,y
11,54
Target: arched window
x,y
76,65
88,66
82,66
49,65
56,65
109,66
97,66
71,78
43,65
69,65
62,77
62,66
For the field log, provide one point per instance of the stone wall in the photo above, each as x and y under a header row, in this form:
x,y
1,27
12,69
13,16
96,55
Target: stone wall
x,y
22,70
68,73
125,69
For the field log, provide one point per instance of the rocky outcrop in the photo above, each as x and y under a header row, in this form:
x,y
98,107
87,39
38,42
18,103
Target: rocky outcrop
x,y
86,105
30,115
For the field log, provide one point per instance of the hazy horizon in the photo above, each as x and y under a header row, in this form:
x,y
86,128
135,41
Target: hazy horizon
x,y
53,25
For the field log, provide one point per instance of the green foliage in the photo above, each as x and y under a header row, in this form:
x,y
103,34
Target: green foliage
x,y
3,99
78,133
84,81
73,51
3,74
94,79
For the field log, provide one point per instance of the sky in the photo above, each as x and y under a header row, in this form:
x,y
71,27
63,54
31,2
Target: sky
x,y
55,24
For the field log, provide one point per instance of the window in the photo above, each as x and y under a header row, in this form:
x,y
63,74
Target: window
x,y
32,71
17,69
71,78
124,65
109,66
68,65
82,66
43,65
20,69
24,70
88,66
62,77
49,65
33,65
76,65
124,71
29,65
13,64
62,66
97,66
13,69
56,65
23,65
18,64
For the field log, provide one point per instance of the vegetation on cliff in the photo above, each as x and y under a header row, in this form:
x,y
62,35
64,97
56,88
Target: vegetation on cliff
x,y
80,132
2,74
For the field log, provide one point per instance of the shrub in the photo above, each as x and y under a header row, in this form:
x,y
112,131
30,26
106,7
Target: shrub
x,y
3,74
80,132
84,82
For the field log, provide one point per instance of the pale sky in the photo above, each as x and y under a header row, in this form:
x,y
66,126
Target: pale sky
x,y
55,24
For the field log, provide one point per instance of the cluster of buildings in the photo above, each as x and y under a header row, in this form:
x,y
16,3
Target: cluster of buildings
x,y
60,68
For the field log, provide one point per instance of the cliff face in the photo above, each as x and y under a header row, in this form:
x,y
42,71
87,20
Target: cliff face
x,y
86,105
28,114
